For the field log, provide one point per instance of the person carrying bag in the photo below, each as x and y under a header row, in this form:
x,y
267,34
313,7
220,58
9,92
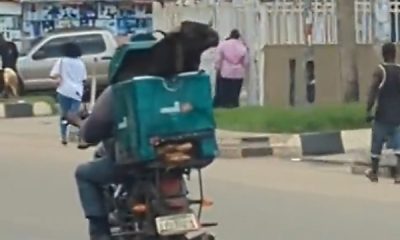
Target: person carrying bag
x,y
70,74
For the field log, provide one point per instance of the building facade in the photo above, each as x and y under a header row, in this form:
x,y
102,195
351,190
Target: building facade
x,y
122,17
10,21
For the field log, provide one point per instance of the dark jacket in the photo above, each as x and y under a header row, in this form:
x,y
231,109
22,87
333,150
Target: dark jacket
x,y
98,127
9,55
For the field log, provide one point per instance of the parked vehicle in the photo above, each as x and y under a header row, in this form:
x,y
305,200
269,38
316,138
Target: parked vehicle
x,y
97,45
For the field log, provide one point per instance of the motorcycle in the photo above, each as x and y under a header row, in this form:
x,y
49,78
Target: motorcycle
x,y
150,199
151,202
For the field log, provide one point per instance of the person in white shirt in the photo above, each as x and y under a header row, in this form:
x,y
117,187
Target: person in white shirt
x,y
70,73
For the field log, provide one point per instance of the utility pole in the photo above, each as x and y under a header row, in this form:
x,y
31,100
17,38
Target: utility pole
x,y
308,23
348,49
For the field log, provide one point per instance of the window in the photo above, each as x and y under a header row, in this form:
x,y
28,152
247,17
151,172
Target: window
x,y
91,44
51,49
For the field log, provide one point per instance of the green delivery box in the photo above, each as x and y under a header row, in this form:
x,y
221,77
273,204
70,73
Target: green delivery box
x,y
148,108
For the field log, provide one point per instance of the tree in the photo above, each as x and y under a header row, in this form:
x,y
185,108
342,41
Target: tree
x,y
348,49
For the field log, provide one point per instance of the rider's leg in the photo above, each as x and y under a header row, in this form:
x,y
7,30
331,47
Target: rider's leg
x,y
90,177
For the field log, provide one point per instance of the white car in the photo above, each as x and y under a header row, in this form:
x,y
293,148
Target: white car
x,y
97,46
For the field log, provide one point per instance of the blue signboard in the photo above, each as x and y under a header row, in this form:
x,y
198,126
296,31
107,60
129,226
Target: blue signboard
x,y
121,17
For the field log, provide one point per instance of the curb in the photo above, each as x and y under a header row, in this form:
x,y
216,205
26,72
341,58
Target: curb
x,y
295,146
307,144
245,147
22,109
321,143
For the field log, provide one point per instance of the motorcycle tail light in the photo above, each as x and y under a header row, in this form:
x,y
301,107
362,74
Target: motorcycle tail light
x,y
171,187
139,208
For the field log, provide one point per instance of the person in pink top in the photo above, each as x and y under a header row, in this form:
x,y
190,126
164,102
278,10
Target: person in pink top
x,y
232,60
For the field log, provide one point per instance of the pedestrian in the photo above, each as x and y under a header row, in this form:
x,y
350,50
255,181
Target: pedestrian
x,y
9,56
385,92
70,73
232,60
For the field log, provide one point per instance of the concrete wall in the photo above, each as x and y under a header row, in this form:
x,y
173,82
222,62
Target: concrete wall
x,y
327,72
277,73
10,14
367,63
329,85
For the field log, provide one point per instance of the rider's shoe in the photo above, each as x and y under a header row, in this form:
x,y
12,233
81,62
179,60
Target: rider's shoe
x,y
82,144
99,229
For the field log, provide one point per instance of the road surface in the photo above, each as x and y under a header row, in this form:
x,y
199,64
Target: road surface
x,y
254,199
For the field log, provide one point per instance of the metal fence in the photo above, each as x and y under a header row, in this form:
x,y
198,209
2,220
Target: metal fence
x,y
281,22
284,22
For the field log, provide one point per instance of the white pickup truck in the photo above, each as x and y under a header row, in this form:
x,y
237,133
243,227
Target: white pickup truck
x,y
97,46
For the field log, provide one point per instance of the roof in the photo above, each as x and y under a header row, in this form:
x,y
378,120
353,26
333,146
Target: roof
x,y
77,29
10,8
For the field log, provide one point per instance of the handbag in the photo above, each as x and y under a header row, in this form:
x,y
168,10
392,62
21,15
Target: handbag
x,y
86,92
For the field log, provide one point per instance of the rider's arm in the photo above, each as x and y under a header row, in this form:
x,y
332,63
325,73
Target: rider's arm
x,y
99,125
374,88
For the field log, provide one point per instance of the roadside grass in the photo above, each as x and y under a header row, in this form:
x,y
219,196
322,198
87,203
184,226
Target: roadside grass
x,y
292,120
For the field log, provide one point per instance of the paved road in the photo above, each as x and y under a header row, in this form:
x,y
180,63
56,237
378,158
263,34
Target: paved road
x,y
255,199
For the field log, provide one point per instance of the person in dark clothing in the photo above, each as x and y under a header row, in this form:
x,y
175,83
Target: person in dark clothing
x,y
90,176
385,92
9,56
98,126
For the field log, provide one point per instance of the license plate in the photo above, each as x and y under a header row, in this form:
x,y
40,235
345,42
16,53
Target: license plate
x,y
176,224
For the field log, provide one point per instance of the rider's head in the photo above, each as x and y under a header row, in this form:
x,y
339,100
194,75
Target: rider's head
x,y
71,50
389,52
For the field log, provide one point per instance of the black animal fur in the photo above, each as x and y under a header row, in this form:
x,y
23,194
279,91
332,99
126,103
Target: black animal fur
x,y
177,52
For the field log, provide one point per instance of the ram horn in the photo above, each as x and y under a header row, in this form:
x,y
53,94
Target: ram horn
x,y
162,32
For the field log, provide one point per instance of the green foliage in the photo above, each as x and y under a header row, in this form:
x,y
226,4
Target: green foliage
x,y
292,120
